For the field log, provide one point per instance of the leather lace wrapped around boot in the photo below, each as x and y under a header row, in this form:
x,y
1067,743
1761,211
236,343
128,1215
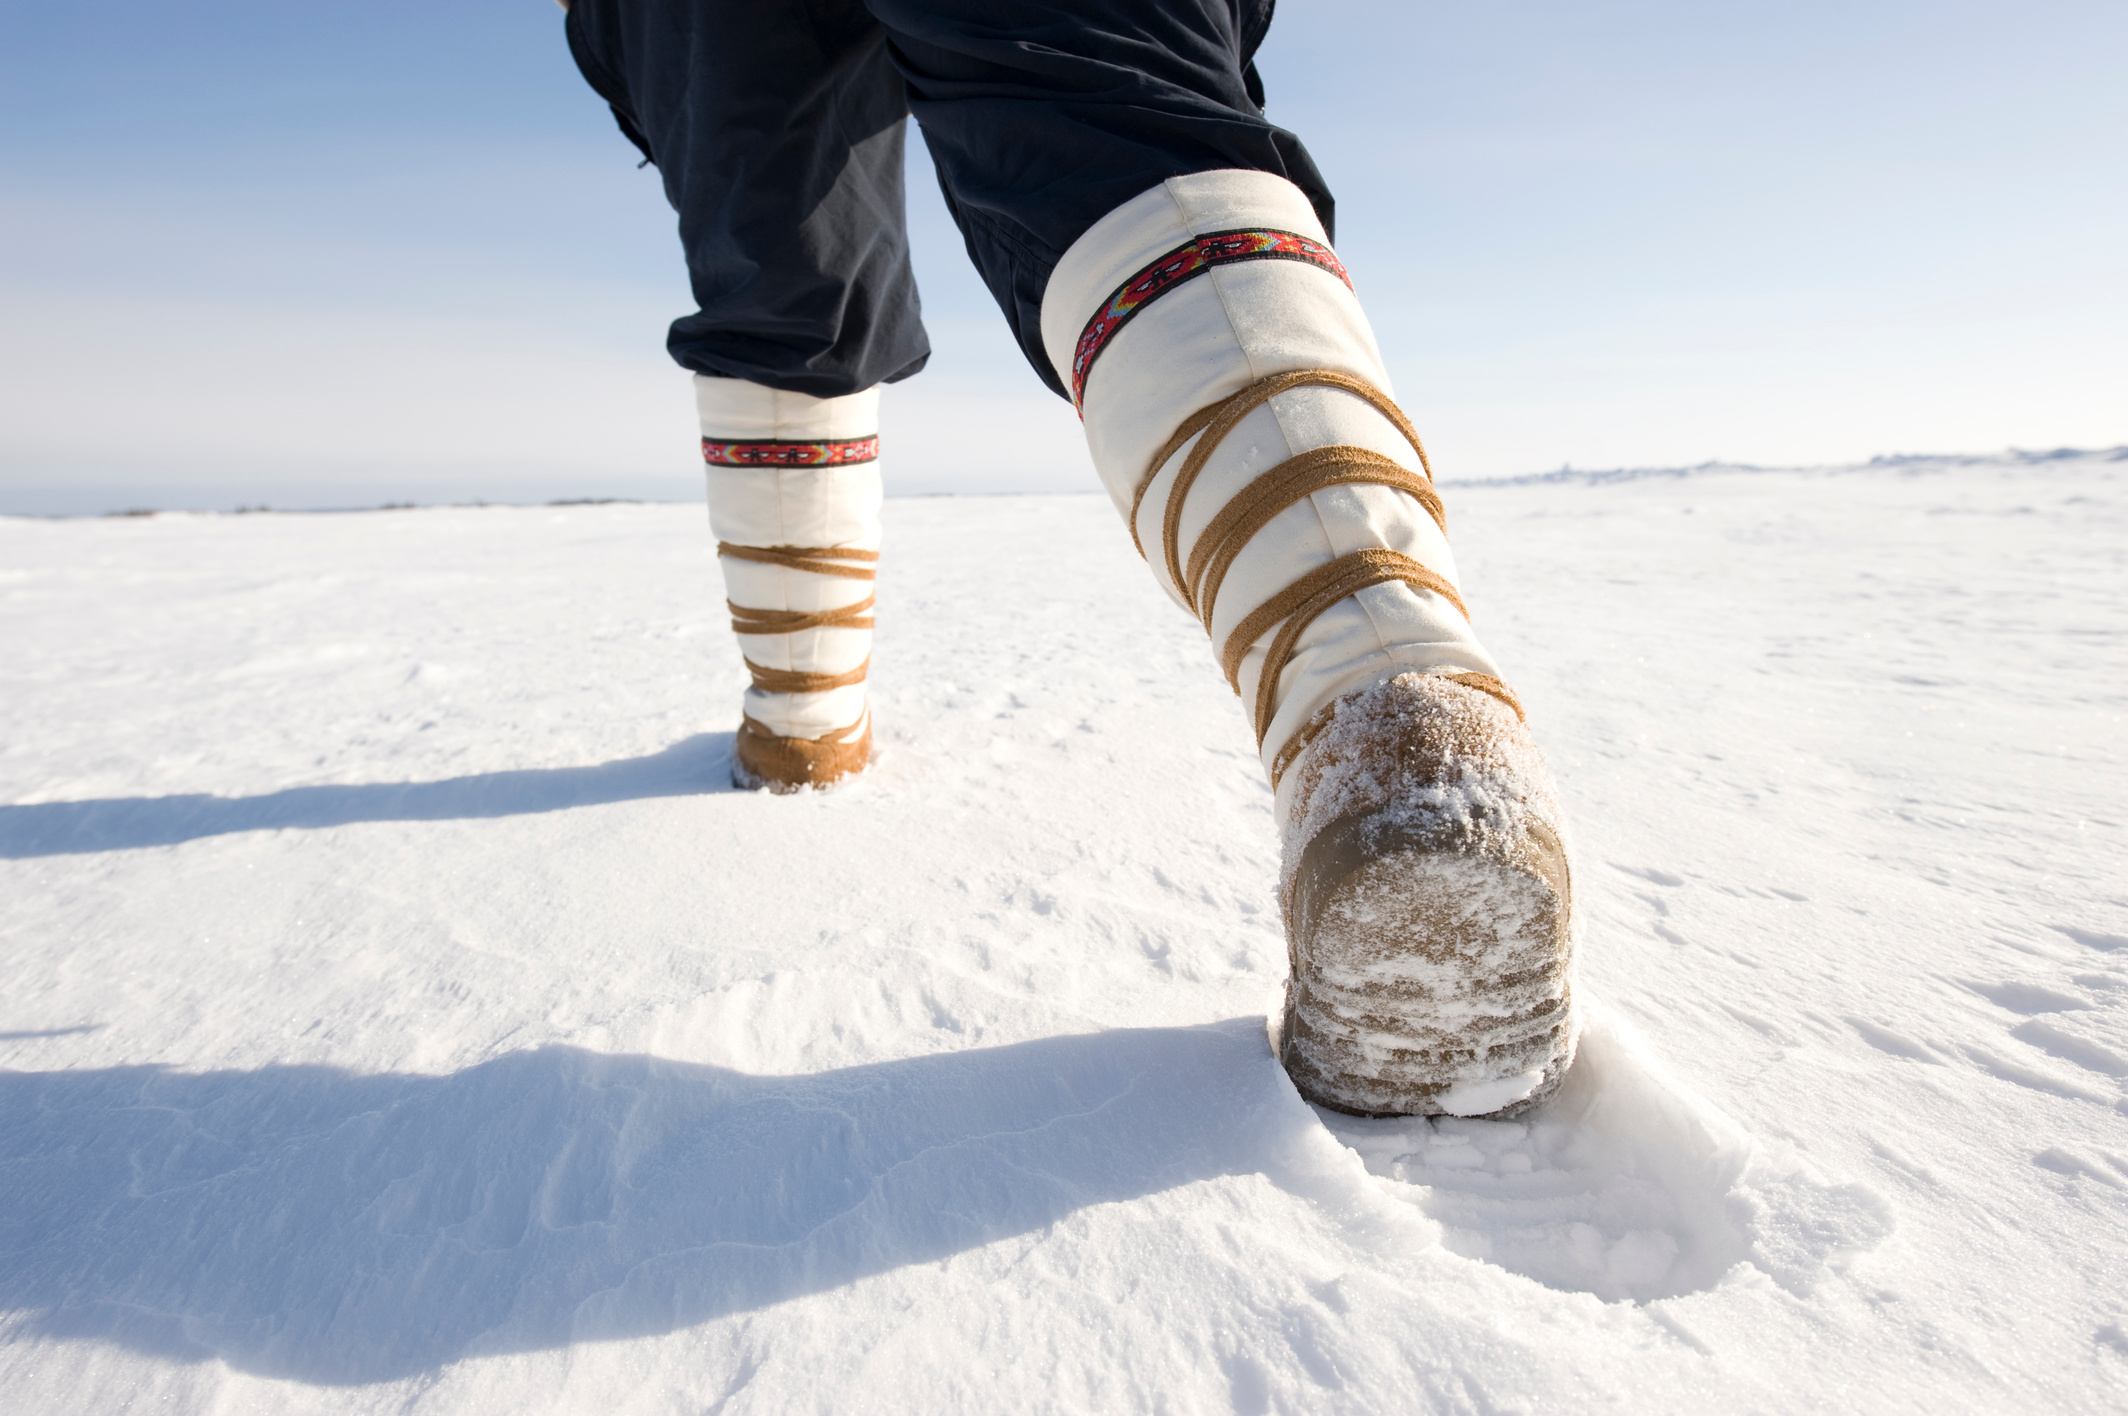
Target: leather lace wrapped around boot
x,y
794,499
1238,412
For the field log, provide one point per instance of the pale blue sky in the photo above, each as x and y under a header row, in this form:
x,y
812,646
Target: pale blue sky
x,y
326,255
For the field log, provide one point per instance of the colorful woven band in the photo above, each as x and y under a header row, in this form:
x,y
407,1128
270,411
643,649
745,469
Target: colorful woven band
x,y
790,454
1186,263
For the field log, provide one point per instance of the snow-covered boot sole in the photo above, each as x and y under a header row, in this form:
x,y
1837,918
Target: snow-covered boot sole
x,y
1429,909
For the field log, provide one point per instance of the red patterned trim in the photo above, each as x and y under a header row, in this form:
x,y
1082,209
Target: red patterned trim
x,y
1186,263
790,454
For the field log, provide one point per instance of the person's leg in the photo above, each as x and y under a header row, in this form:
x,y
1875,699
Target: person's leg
x,y
1044,117
778,130
1107,155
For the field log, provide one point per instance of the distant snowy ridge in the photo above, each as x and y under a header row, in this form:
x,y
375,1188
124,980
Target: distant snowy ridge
x,y
1898,461
141,503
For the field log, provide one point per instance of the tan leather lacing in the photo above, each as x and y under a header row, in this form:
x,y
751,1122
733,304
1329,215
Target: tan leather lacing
x,y
789,761
1285,485
750,724
1487,684
748,620
1305,600
1310,730
816,560
1217,420
791,681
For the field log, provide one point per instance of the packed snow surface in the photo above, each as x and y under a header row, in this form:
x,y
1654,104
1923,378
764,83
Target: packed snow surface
x,y
403,1014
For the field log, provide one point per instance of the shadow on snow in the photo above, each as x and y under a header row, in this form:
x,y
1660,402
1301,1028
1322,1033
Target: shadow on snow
x,y
691,767
310,1223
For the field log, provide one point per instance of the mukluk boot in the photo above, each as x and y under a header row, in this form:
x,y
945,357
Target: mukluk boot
x,y
794,500
1239,414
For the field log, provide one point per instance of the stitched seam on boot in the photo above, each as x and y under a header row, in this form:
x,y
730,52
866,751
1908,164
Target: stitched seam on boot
x,y
783,537
1212,278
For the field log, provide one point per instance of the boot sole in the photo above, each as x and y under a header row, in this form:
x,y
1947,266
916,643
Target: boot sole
x,y
1430,969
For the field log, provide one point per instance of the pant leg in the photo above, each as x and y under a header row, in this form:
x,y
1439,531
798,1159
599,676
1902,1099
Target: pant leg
x,y
778,127
1045,115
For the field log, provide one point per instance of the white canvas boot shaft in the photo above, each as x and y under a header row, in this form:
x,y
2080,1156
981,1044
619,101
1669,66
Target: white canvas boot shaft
x,y
789,473
1207,336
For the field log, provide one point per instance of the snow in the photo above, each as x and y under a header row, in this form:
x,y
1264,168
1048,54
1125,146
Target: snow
x,y
402,1013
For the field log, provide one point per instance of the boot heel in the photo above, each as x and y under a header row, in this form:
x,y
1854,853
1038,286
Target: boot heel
x,y
1429,969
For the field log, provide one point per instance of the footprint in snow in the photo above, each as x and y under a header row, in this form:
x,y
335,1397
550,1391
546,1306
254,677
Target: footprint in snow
x,y
1624,1185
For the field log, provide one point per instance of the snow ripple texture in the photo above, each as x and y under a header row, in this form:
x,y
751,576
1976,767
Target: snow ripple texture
x,y
403,1014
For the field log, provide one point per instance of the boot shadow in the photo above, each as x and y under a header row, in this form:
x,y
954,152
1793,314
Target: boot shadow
x,y
314,1224
691,767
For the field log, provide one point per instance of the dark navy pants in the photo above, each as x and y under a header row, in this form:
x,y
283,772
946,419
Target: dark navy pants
x,y
778,124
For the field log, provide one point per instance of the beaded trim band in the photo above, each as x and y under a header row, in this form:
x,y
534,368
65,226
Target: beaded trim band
x,y
790,454
1182,264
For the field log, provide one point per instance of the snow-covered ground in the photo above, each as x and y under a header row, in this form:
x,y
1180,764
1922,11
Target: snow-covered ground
x,y
403,1014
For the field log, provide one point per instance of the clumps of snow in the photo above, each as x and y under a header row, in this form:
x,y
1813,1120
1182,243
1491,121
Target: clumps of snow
x,y
1623,1184
1419,750
1478,1098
